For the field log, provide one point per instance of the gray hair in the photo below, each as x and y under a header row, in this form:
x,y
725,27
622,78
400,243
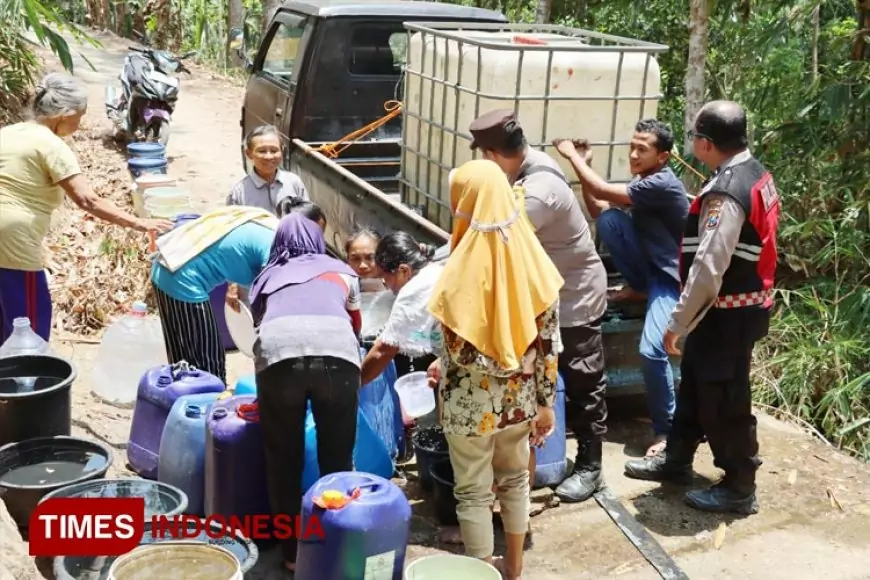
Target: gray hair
x,y
262,131
59,94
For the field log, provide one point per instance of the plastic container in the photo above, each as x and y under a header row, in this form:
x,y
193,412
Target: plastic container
x,y
30,469
380,404
166,202
367,538
159,388
452,566
181,461
246,385
160,498
551,459
445,502
140,166
146,182
430,445
130,346
24,341
415,395
143,149
97,567
546,76
235,460
40,410
370,455
188,560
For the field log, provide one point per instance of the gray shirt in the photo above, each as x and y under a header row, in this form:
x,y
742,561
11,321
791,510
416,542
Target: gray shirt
x,y
564,233
254,191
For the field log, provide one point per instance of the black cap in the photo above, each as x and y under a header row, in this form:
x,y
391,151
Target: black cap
x,y
492,130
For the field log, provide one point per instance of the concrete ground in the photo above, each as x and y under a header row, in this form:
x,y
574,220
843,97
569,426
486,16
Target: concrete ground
x,y
815,502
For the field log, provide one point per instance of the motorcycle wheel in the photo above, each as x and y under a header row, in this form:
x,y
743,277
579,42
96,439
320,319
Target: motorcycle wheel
x,y
158,131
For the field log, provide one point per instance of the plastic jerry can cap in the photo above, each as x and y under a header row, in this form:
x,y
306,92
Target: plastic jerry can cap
x,y
332,499
193,411
164,381
219,413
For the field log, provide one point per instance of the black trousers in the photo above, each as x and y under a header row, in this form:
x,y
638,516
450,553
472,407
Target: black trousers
x,y
715,396
283,389
582,367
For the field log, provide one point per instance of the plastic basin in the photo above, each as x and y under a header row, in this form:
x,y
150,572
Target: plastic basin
x,y
416,396
188,560
160,498
97,567
31,469
452,566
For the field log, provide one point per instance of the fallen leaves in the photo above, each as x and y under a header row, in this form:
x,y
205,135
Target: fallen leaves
x,y
719,535
97,269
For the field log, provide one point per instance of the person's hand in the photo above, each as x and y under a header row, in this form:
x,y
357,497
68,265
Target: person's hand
x,y
433,373
670,343
154,225
565,147
543,425
232,297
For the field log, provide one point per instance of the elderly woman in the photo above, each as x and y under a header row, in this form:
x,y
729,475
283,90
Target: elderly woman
x,y
37,168
497,302
306,309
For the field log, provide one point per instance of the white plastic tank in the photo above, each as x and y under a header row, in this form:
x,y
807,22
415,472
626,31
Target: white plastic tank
x,y
129,347
143,184
587,80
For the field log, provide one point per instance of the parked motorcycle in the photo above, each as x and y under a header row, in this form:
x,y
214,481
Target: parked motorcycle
x,y
143,109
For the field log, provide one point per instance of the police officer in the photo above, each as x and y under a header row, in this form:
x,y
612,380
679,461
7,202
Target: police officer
x,y
564,233
726,268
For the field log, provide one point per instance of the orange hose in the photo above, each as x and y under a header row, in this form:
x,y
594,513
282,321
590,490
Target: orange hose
x,y
333,150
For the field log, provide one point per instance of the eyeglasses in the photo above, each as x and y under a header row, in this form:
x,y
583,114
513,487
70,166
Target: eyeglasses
x,y
692,134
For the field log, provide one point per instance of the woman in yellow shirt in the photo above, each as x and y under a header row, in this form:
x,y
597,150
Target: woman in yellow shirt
x,y
36,169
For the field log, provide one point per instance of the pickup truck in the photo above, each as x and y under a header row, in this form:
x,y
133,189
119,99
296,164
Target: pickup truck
x,y
324,70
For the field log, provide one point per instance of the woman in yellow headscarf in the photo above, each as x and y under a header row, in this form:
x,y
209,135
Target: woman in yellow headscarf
x,y
498,303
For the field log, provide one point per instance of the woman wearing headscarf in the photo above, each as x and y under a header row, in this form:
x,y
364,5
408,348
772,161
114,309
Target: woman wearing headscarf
x,y
306,310
497,301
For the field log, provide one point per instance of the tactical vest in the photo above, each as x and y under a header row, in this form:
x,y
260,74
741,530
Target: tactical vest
x,y
748,281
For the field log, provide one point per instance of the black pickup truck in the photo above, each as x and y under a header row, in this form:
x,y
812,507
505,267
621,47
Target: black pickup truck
x,y
326,69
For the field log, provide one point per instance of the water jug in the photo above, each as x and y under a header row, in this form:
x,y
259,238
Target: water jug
x,y
366,538
181,461
379,402
24,341
369,453
159,388
235,461
551,457
131,345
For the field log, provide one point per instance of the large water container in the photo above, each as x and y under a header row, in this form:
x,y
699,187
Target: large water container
x,y
146,149
159,388
146,182
235,460
181,461
369,452
366,538
166,202
131,345
551,457
25,342
570,85
140,166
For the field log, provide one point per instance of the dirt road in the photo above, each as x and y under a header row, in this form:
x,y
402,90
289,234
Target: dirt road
x,y
801,533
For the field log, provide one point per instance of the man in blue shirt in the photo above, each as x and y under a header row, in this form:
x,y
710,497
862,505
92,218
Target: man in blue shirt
x,y
641,224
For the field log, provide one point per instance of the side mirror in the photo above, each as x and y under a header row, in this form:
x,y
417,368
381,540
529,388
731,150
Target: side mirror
x,y
237,40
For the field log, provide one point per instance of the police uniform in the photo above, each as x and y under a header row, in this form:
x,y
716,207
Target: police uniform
x,y
560,225
727,265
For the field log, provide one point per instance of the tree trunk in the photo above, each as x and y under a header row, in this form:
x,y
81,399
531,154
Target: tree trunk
x,y
542,11
816,31
861,48
696,65
269,9
235,19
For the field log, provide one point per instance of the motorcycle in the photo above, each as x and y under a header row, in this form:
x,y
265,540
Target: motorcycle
x,y
149,92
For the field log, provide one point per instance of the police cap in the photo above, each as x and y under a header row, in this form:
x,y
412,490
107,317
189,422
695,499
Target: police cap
x,y
492,130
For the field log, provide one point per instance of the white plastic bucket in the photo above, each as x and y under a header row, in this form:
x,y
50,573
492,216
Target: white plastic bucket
x,y
415,395
143,184
188,560
166,202
441,566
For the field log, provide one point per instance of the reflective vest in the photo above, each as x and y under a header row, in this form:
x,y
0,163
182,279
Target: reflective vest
x,y
748,281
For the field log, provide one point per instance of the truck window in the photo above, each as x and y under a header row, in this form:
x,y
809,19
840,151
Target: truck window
x,y
283,48
378,50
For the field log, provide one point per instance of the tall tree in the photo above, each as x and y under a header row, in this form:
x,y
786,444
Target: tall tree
x,y
696,65
542,11
235,19
269,9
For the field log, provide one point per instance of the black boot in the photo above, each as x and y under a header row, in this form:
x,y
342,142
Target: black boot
x,y
723,498
673,463
586,478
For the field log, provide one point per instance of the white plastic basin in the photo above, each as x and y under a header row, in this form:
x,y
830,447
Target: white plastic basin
x,y
441,566
415,395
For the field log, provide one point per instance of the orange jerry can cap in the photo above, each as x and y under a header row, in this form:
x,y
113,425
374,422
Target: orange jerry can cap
x,y
332,499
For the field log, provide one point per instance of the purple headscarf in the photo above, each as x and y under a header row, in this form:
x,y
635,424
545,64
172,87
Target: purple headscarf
x,y
298,255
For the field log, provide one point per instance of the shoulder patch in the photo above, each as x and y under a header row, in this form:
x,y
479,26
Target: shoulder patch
x,y
714,208
769,194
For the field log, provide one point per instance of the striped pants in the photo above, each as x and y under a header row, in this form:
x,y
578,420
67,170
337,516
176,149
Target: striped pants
x,y
191,334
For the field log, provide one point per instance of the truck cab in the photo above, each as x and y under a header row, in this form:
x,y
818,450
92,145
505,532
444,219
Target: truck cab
x,y
326,69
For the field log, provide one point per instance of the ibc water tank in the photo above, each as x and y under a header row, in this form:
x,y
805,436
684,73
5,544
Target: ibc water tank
x,y
598,94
